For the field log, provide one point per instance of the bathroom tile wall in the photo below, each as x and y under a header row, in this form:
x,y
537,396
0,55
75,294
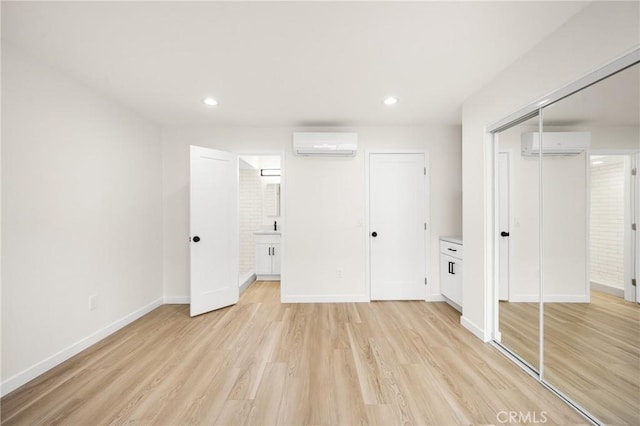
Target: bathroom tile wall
x,y
607,224
250,200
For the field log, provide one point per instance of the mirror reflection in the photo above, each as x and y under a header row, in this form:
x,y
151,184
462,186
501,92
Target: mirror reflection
x,y
591,318
518,196
271,196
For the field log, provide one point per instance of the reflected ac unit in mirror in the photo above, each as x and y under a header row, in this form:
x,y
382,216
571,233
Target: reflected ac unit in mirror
x,y
325,144
555,143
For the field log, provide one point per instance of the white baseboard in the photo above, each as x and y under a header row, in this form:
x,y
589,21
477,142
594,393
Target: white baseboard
x,y
245,285
550,298
338,298
268,277
437,297
176,300
474,329
31,373
604,288
453,304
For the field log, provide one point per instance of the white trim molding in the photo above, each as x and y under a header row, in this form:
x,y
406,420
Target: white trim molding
x,y
481,334
435,297
324,298
47,364
176,300
245,285
549,298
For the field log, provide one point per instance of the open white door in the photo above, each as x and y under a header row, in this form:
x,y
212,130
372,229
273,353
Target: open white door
x,y
503,224
397,221
214,229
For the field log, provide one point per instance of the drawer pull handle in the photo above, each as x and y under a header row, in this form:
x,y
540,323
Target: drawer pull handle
x,y
450,249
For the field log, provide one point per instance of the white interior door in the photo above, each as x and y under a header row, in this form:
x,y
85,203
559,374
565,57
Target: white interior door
x,y
397,217
503,224
214,229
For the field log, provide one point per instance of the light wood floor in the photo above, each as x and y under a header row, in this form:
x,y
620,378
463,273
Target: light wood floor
x,y
591,353
262,362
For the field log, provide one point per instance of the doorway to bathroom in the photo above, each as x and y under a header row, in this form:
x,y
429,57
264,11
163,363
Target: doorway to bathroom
x,y
260,219
611,236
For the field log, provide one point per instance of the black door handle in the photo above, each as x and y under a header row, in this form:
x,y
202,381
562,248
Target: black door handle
x,y
196,239
504,234
374,234
452,265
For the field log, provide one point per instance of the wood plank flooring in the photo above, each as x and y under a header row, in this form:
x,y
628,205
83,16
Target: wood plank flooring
x,y
591,353
265,363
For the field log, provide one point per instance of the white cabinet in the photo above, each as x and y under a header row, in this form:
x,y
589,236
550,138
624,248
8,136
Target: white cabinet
x,y
267,256
451,270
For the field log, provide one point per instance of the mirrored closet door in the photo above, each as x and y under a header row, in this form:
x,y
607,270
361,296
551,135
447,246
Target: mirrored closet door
x,y
566,197
591,322
519,244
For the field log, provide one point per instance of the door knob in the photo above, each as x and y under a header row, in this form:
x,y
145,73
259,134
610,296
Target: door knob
x,y
504,234
196,239
374,234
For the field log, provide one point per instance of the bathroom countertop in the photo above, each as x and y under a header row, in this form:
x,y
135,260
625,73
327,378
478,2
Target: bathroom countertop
x,y
267,232
452,239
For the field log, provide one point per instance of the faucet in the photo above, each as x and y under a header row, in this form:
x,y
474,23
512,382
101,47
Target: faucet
x,y
275,225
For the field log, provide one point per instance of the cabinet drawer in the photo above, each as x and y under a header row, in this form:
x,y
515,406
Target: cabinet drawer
x,y
451,249
267,239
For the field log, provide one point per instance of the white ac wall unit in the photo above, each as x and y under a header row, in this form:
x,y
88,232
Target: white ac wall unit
x,y
309,144
555,143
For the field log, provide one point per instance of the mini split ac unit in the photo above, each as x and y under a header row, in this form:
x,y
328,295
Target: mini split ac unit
x,y
309,144
555,143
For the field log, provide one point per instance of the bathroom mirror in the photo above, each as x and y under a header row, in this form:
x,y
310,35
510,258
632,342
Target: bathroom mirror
x,y
271,198
518,199
591,318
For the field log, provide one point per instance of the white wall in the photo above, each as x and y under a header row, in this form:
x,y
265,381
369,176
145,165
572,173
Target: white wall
x,y
82,200
324,204
599,33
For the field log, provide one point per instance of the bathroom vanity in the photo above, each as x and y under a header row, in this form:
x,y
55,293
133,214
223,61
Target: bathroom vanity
x,y
267,255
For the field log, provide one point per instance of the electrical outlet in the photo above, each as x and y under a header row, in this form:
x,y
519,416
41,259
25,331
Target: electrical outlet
x,y
92,302
339,272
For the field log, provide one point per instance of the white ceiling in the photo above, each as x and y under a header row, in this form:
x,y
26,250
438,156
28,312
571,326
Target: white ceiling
x,y
288,63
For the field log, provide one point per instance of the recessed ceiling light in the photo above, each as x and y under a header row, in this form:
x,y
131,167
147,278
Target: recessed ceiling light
x,y
597,162
210,101
390,101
